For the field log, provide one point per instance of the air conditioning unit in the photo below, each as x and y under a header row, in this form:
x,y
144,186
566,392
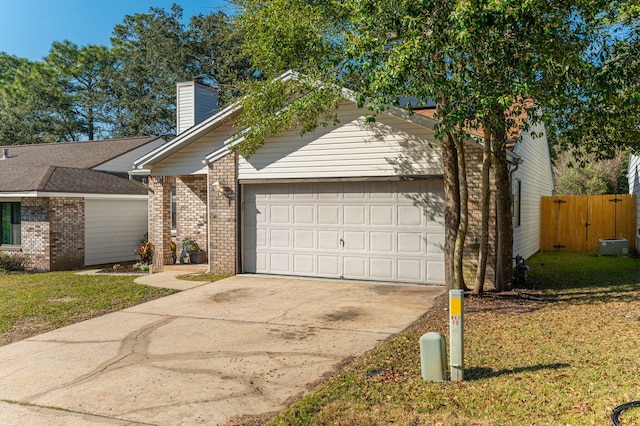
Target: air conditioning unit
x,y
614,246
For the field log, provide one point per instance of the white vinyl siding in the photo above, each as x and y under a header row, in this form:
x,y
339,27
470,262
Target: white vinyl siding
x,y
353,148
383,231
195,103
634,183
113,230
124,163
189,159
536,179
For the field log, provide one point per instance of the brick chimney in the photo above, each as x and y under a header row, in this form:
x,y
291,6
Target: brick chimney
x,y
195,103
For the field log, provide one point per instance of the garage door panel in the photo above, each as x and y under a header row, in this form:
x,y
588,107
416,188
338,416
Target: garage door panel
x,y
355,267
355,215
303,239
328,240
410,243
303,264
280,214
435,243
304,214
409,215
410,269
329,215
381,215
435,271
355,240
386,231
279,263
279,238
381,242
328,266
381,268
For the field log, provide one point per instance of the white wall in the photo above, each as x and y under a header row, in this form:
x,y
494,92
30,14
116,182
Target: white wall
x,y
113,229
353,148
537,180
634,182
189,159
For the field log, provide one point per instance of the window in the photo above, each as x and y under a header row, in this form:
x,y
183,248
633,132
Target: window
x,y
173,207
10,224
517,200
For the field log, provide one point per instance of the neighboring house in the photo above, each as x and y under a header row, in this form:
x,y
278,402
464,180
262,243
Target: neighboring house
x,y
355,200
71,204
633,177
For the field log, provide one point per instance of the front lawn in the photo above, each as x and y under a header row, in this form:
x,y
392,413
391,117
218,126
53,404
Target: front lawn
x,y
31,304
565,353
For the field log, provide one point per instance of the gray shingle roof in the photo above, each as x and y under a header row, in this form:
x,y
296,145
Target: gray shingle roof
x,y
66,167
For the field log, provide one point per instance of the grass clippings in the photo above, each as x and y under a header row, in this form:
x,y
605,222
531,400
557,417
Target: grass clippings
x,y
31,304
562,353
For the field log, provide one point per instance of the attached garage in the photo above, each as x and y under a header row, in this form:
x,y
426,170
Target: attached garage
x,y
384,230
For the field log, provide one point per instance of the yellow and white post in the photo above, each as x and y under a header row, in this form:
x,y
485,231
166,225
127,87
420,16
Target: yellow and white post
x,y
456,334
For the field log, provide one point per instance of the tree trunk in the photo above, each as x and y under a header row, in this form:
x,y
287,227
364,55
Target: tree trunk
x,y
458,254
504,261
483,253
451,207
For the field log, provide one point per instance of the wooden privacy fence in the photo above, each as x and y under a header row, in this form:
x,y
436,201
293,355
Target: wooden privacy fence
x,y
577,222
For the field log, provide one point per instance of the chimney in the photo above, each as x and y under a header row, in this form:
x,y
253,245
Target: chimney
x,y
5,153
195,103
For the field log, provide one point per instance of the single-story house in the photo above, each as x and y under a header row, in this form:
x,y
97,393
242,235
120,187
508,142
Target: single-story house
x,y
633,176
355,200
71,204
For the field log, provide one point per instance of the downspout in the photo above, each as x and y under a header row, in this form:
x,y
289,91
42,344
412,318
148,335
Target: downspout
x,y
208,219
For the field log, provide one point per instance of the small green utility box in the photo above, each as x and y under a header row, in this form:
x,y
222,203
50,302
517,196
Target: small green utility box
x,y
612,247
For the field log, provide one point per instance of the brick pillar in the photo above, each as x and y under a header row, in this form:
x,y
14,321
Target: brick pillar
x,y
35,232
160,220
223,226
66,225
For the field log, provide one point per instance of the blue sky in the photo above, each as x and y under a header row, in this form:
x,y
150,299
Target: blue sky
x,y
29,27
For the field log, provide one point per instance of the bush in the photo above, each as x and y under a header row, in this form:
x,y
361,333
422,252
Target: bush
x,y
14,262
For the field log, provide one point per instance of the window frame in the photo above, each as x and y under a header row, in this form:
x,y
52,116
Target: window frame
x,y
517,203
15,214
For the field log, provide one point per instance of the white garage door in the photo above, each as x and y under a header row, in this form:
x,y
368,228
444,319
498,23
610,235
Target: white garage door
x,y
386,231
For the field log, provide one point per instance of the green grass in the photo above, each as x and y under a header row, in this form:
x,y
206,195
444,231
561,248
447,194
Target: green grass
x,y
34,303
563,354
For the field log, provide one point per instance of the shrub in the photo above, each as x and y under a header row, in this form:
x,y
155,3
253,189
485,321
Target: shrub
x,y
14,262
145,251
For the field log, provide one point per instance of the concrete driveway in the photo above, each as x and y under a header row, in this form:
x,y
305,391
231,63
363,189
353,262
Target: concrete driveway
x,y
242,346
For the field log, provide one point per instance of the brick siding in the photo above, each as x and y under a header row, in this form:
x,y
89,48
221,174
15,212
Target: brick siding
x,y
35,232
223,216
473,157
191,206
52,232
159,206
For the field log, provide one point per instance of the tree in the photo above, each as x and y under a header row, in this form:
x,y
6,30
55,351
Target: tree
x,y
82,74
33,109
155,51
482,62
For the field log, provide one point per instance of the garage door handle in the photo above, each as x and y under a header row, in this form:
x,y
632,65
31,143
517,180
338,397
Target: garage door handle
x,y
342,242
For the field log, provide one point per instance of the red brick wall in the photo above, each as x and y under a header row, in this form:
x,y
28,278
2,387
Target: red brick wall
x,y
223,216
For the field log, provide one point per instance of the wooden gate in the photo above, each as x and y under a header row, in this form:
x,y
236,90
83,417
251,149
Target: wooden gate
x,y
576,222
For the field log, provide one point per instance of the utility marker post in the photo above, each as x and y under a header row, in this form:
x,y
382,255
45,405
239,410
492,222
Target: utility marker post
x,y
456,334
